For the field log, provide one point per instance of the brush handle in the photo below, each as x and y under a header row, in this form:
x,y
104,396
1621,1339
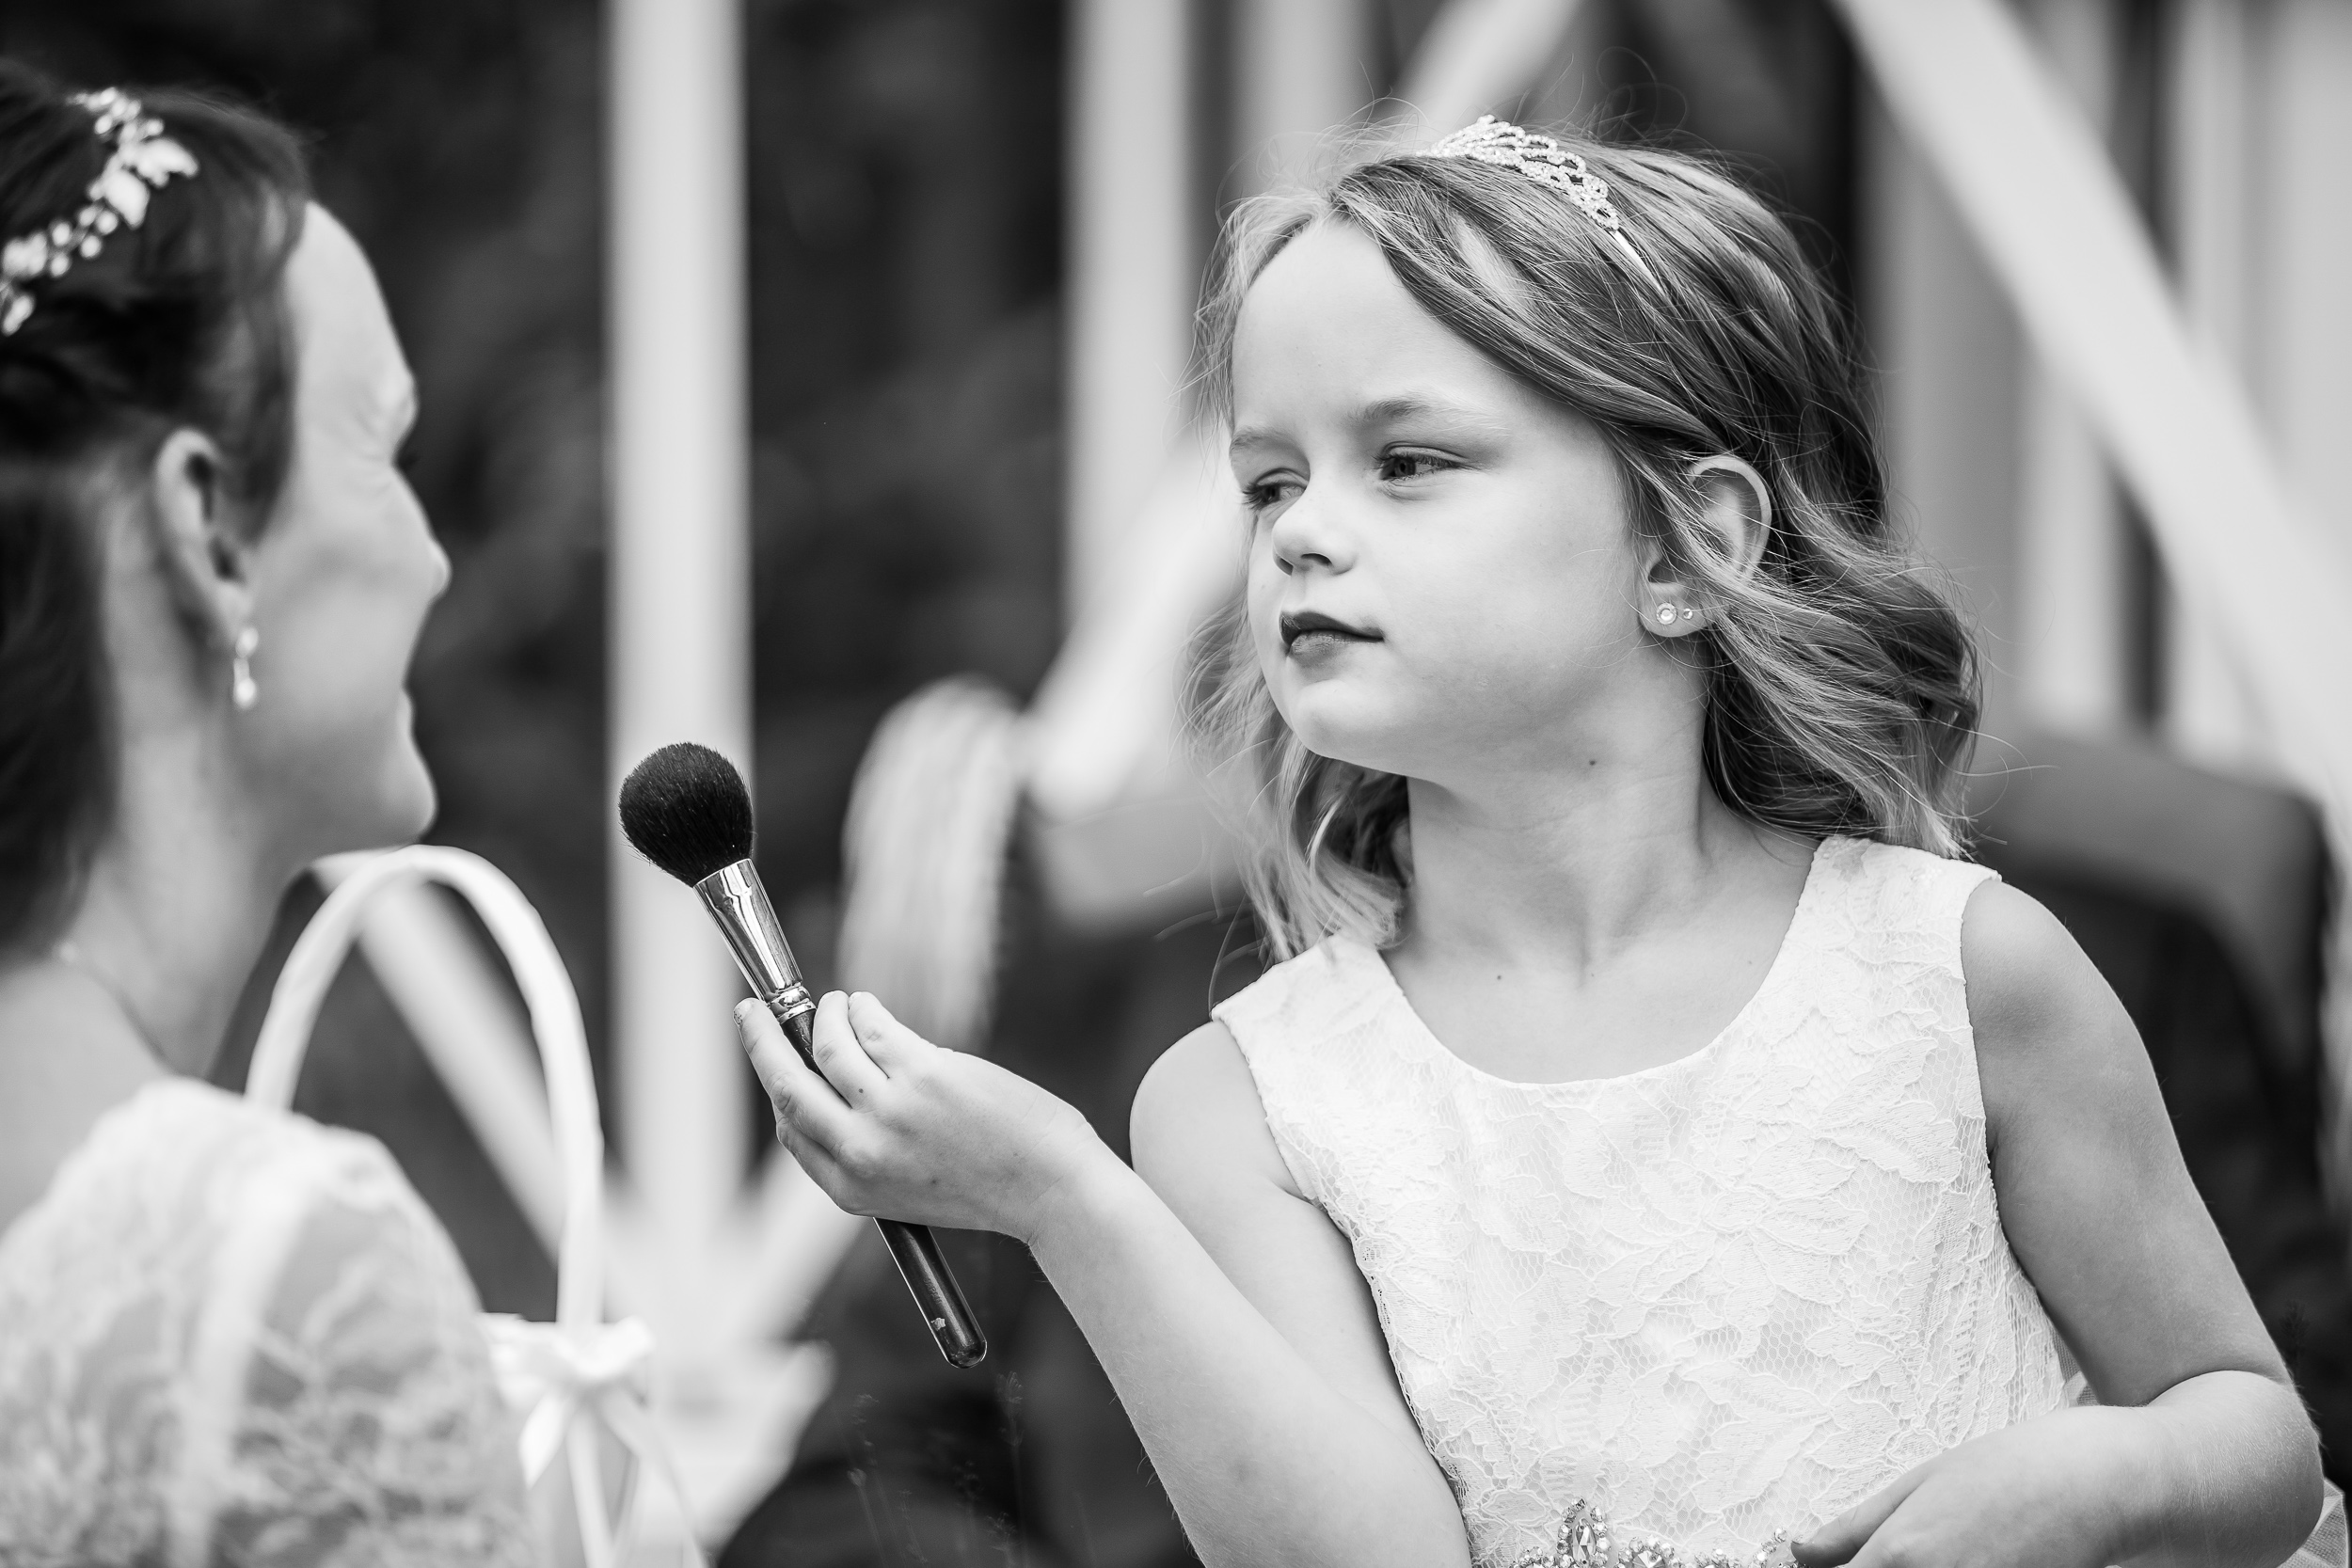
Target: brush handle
x,y
913,1247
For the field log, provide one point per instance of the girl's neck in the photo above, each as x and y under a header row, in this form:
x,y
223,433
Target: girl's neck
x,y
1568,865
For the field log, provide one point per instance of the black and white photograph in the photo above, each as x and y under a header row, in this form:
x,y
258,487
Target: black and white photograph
x,y
1175,784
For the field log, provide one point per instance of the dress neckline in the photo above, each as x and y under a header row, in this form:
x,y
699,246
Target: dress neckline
x,y
1426,1041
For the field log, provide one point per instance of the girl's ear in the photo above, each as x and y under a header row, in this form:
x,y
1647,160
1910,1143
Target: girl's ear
x,y
206,564
1736,510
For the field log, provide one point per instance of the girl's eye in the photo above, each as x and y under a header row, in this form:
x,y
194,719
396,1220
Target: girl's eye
x,y
1267,493
1395,466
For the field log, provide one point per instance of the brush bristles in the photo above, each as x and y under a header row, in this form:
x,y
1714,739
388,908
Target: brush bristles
x,y
685,809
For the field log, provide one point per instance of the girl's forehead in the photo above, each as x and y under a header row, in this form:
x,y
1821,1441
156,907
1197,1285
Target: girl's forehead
x,y
1330,276
1327,321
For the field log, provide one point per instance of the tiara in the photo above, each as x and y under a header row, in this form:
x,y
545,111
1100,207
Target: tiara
x,y
142,156
1545,162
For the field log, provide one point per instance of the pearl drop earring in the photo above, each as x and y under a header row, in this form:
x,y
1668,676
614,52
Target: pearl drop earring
x,y
242,691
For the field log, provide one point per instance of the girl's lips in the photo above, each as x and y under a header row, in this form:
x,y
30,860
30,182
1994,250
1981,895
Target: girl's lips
x,y
1311,632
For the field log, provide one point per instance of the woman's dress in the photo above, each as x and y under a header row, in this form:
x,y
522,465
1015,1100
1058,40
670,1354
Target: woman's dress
x,y
229,1335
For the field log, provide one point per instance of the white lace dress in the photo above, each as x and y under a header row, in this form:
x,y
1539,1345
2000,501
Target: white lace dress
x,y
1732,1295
229,1336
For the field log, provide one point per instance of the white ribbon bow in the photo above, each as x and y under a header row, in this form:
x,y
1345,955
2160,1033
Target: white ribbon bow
x,y
605,1375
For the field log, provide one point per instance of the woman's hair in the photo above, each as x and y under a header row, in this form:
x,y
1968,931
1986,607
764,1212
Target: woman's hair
x,y
1841,684
178,323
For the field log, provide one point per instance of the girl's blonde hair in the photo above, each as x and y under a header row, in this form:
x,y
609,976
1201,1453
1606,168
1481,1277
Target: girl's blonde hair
x,y
1842,688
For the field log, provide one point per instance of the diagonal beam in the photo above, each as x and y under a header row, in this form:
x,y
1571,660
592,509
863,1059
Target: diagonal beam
x,y
2043,199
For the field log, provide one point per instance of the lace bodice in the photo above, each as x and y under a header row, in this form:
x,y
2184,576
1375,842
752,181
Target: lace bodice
x,y
1736,1292
231,1335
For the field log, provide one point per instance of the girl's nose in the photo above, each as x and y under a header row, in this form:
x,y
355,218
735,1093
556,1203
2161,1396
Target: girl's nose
x,y
1307,535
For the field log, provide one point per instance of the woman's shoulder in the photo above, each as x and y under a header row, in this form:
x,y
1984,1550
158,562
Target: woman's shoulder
x,y
204,1196
180,1143
267,1318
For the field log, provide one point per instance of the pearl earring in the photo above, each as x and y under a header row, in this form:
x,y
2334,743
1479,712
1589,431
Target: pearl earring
x,y
1665,615
242,691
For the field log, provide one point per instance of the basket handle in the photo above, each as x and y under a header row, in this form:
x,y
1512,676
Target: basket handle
x,y
555,1025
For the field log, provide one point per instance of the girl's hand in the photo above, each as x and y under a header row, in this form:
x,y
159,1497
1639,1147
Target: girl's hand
x,y
2043,1494
900,1129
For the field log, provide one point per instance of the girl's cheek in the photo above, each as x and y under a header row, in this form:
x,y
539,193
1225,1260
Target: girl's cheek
x,y
1261,602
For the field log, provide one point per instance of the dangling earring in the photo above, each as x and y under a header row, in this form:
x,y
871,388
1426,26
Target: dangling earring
x,y
1666,615
242,690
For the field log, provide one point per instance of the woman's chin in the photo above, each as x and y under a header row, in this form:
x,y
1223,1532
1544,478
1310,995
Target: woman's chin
x,y
396,811
411,799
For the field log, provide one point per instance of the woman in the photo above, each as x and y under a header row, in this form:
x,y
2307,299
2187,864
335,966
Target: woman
x,y
226,1334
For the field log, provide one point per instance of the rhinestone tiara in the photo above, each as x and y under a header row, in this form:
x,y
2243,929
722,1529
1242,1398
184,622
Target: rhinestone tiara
x,y
141,159
1545,162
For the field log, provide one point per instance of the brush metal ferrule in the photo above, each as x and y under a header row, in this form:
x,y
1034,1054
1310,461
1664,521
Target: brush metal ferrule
x,y
740,904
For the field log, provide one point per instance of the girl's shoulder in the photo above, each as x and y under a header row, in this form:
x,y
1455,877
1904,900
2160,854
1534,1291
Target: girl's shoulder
x,y
2023,969
2028,980
1330,988
1198,1109
1890,884
1209,1092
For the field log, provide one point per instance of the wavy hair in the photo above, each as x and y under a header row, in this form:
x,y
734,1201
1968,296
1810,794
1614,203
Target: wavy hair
x,y
1841,682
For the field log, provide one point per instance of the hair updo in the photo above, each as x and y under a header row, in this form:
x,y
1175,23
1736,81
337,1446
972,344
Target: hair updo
x,y
1841,684
178,324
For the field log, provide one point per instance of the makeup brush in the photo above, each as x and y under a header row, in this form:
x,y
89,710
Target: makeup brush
x,y
685,809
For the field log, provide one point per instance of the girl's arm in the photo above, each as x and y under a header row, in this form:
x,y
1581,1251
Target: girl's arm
x,y
1253,1368
2200,1453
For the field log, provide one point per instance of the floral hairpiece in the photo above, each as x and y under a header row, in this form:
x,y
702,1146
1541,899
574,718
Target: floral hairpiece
x,y
142,157
1545,162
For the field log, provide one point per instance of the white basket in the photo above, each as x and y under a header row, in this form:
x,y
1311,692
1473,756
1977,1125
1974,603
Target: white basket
x,y
580,1382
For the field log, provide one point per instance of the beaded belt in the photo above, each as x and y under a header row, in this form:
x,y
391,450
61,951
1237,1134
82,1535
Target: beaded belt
x,y
1585,1541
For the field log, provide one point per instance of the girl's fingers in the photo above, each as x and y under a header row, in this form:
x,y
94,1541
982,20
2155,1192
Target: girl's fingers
x,y
1843,1538
805,1104
840,1054
891,1044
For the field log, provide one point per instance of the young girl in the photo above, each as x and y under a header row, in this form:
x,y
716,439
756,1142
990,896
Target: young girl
x,y
1658,1138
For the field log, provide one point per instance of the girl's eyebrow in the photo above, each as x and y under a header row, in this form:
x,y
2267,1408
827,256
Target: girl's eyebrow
x,y
1250,437
1414,406
1379,412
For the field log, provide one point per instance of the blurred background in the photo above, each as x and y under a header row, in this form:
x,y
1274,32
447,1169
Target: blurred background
x,y
783,360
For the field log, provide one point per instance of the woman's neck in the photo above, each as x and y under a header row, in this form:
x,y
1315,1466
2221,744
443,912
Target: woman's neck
x,y
177,905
